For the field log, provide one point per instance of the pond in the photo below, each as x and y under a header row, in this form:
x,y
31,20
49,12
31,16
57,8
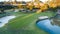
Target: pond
x,y
5,20
48,26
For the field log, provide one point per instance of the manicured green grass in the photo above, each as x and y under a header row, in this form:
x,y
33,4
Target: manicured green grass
x,y
24,24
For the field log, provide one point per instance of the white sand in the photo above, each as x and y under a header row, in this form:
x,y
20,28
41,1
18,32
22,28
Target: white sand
x,y
43,17
5,20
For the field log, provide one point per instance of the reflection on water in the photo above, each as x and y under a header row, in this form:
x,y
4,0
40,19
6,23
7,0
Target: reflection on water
x,y
56,20
47,26
5,20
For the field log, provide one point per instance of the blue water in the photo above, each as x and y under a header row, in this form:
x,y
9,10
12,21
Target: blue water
x,y
47,26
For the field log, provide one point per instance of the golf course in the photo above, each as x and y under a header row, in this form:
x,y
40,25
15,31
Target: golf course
x,y
24,23
29,16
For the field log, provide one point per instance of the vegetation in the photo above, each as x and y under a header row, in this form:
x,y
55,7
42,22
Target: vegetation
x,y
6,7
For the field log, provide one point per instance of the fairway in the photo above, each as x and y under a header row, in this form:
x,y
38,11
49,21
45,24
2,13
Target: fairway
x,y
24,24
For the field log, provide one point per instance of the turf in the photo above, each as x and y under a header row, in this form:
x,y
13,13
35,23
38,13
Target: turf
x,y
24,23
